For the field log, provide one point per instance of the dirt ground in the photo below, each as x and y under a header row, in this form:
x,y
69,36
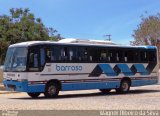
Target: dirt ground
x,y
139,98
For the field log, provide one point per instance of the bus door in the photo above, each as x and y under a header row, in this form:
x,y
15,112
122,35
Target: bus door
x,y
34,64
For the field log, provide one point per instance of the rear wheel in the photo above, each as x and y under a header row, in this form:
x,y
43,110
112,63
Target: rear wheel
x,y
34,95
105,91
124,87
51,90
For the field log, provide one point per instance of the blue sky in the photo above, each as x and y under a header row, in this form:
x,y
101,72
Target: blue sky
x,y
88,19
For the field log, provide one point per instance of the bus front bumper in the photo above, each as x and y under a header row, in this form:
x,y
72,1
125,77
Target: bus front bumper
x,y
12,85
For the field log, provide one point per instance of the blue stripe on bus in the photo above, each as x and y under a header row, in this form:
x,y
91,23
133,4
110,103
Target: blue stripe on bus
x,y
90,85
24,87
125,69
103,85
119,68
151,47
107,69
141,69
143,82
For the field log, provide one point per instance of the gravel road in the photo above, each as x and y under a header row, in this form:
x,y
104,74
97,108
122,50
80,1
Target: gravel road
x,y
139,98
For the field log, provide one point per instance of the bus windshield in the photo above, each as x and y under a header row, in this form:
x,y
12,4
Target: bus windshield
x,y
16,59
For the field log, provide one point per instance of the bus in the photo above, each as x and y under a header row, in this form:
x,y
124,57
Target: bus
x,y
48,67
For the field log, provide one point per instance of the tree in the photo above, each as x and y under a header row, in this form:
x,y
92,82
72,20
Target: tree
x,y
148,31
21,25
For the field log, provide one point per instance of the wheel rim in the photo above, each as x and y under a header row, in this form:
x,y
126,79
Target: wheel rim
x,y
52,90
125,86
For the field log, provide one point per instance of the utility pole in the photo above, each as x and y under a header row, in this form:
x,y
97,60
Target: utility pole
x,y
109,37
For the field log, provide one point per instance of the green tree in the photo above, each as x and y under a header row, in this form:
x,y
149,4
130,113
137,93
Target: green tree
x,y
148,31
20,26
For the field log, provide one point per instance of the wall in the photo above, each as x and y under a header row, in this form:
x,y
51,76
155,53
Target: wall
x,y
1,75
159,77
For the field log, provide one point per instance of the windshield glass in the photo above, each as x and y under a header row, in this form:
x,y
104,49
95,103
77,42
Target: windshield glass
x,y
16,59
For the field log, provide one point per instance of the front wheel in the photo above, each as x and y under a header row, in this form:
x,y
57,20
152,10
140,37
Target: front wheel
x,y
124,87
51,90
34,95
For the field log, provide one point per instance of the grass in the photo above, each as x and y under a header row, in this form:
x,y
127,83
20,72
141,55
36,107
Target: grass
x,y
1,76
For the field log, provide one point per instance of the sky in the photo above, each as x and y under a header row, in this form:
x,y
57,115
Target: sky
x,y
88,19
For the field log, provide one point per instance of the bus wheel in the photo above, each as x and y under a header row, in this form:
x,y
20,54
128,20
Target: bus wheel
x,y
34,95
105,91
51,90
124,87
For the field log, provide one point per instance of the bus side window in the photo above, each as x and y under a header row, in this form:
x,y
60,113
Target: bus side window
x,y
130,55
72,54
121,56
143,56
82,54
152,55
109,56
48,55
85,57
35,60
125,57
53,58
103,55
57,53
79,56
136,56
117,56
113,56
92,54
63,54
42,55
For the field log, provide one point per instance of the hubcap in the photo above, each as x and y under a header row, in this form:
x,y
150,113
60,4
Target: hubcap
x,y
125,86
52,90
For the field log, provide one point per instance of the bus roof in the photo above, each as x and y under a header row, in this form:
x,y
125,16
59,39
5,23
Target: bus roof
x,y
31,43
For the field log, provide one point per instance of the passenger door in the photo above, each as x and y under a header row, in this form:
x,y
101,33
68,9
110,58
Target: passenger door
x,y
34,66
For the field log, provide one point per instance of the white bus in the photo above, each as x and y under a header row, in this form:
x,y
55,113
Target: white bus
x,y
48,67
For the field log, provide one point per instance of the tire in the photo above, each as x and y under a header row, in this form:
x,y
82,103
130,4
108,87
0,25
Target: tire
x,y
105,91
124,87
51,90
34,95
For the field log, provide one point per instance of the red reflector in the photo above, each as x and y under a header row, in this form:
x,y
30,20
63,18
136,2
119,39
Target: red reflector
x,y
32,82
